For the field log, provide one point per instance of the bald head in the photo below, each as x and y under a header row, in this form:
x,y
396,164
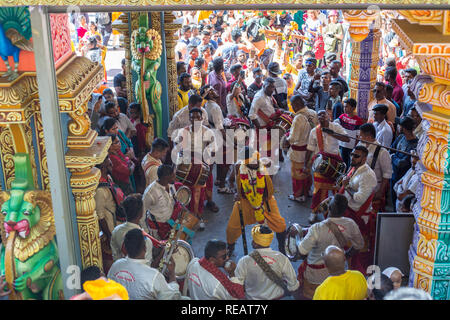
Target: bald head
x,y
334,259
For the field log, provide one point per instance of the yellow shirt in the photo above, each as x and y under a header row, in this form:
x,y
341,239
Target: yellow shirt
x,y
348,286
290,93
291,69
183,99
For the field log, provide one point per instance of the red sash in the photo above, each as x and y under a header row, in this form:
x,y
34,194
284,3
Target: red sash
x,y
149,164
302,268
298,148
164,228
234,289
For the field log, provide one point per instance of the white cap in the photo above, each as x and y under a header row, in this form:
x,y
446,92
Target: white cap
x,y
389,271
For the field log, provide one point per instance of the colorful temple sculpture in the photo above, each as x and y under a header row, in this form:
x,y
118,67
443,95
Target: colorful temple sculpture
x,y
29,249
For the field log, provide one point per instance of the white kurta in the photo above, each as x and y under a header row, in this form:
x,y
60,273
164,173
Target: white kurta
x,y
117,237
319,237
215,115
151,174
202,285
261,102
181,120
159,202
143,282
257,285
363,182
330,143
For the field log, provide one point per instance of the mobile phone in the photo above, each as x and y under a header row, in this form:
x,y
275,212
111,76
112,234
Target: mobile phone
x,y
242,74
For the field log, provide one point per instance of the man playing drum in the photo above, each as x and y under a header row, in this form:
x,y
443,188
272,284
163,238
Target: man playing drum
x,y
153,160
197,148
305,120
254,200
204,279
332,231
160,204
323,144
359,187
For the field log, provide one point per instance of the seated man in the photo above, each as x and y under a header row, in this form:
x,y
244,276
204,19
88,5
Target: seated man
x,y
160,204
408,184
204,279
141,281
255,276
341,284
335,230
395,275
134,210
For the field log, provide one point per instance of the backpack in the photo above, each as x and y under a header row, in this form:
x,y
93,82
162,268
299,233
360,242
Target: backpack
x,y
103,18
118,197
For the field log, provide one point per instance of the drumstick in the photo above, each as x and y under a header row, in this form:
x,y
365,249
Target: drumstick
x,y
376,144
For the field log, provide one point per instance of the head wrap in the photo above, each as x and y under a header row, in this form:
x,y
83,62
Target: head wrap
x,y
264,240
100,289
389,271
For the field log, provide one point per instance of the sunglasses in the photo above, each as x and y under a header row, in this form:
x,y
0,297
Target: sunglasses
x,y
355,155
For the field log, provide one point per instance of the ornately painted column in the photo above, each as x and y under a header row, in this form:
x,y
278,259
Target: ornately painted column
x,y
364,57
426,34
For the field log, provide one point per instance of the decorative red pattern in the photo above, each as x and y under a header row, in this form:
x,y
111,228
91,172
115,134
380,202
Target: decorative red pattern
x,y
62,49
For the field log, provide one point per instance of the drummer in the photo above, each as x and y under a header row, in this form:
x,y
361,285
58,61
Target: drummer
x,y
320,142
312,272
196,145
159,203
305,120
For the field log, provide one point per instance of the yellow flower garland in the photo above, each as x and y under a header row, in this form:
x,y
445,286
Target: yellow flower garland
x,y
254,195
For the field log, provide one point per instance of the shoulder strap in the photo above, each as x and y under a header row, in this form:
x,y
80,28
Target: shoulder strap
x,y
319,137
269,271
337,233
375,157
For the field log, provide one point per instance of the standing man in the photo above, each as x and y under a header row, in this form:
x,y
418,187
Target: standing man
x,y
359,188
263,105
305,77
256,204
384,129
335,68
379,161
304,121
257,84
335,230
120,82
334,34
124,123
205,281
281,89
184,89
323,140
342,284
390,75
254,269
380,98
216,79
154,159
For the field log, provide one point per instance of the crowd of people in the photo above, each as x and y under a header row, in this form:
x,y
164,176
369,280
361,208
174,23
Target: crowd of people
x,y
251,70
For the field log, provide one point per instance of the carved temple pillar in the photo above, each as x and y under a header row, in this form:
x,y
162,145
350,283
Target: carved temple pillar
x,y
170,29
426,34
365,45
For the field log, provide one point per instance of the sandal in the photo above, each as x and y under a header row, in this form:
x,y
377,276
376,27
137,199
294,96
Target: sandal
x,y
225,190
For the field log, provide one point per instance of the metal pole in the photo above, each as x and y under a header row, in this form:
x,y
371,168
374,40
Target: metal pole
x,y
48,97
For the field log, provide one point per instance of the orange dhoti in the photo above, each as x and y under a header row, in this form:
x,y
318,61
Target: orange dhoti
x,y
322,186
272,215
301,182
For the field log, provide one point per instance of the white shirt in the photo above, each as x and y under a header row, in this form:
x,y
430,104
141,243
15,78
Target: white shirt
x,y
181,119
203,285
117,237
215,115
299,133
151,174
384,133
330,143
232,107
143,282
158,201
410,181
257,285
262,102
383,166
280,85
201,142
363,182
319,237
